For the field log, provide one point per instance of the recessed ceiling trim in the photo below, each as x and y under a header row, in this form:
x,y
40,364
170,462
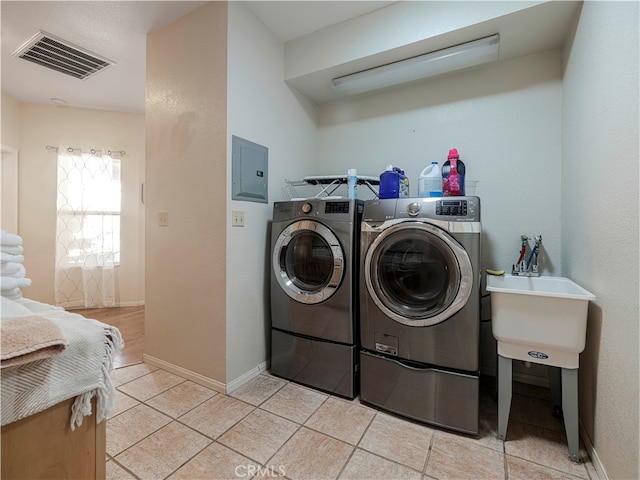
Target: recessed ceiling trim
x,y
62,56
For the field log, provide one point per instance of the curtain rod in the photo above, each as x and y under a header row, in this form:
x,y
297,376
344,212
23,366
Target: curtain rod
x,y
51,148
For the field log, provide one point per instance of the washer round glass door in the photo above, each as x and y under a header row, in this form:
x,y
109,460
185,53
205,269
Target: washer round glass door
x,y
308,261
417,274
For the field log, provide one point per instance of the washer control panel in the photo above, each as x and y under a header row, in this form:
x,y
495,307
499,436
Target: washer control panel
x,y
456,208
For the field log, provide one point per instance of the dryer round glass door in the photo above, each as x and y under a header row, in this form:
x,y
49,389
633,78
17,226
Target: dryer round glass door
x,y
417,274
308,261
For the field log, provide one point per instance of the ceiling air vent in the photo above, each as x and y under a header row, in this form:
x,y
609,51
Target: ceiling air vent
x,y
62,56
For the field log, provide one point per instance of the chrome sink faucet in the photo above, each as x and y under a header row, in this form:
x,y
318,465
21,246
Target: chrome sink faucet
x,y
528,268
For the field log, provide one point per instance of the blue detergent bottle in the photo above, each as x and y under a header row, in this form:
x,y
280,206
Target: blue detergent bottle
x,y
393,183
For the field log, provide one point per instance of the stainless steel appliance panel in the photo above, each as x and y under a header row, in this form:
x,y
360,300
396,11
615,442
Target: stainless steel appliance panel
x,y
420,309
314,278
328,366
330,317
427,394
451,342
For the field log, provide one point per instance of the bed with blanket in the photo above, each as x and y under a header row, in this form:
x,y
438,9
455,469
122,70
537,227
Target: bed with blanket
x,y
56,388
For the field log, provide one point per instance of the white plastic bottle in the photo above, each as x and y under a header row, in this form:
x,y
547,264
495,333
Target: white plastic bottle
x,y
430,181
352,183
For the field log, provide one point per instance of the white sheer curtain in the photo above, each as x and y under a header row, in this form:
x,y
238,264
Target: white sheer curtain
x,y
87,228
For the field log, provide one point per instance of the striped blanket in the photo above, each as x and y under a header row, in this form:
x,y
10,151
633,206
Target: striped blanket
x,y
82,370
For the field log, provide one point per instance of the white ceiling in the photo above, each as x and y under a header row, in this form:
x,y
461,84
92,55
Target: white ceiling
x,y
117,30
293,19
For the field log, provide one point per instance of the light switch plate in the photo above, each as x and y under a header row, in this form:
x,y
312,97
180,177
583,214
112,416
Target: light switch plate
x,y
163,219
237,218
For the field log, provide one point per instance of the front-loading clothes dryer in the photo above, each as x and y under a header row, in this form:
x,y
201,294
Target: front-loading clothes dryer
x,y
420,309
314,293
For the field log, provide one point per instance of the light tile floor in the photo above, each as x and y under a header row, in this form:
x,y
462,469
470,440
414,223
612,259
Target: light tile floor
x,y
168,427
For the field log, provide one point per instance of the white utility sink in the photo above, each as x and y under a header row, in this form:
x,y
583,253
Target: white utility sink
x,y
539,319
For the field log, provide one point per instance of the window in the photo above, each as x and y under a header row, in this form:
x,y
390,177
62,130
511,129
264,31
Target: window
x,y
88,209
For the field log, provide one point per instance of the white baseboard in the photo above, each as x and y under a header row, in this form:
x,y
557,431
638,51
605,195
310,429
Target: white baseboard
x,y
188,374
544,382
593,454
244,378
531,379
519,377
139,303
205,381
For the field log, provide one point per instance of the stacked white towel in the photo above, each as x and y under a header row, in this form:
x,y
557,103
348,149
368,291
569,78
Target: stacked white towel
x,y
13,273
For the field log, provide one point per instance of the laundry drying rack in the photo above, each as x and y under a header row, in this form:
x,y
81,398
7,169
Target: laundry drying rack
x,y
328,184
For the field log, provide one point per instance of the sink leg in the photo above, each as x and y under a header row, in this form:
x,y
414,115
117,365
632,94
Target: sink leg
x,y
504,395
570,411
555,383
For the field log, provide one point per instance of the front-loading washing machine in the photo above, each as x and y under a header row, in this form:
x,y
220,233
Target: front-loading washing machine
x,y
420,309
314,293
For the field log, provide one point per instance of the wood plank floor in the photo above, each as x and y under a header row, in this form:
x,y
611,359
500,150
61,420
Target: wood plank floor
x,y
130,322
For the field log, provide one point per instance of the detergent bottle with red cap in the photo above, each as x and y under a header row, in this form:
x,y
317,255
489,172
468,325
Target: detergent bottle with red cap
x,y
453,172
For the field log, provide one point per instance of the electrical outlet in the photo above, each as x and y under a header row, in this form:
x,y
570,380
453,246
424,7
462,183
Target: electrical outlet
x,y
163,219
237,218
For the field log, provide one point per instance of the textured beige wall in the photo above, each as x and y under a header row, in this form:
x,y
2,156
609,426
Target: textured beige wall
x,y
186,117
9,173
600,233
9,107
41,125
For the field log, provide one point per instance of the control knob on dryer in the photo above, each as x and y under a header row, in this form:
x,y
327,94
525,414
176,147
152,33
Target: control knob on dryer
x,y
413,209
